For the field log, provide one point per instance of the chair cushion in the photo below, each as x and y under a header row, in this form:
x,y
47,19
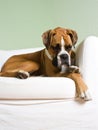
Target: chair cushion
x,y
36,88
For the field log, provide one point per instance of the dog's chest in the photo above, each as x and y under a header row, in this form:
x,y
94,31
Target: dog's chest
x,y
49,68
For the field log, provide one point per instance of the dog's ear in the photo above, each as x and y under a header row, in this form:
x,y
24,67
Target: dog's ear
x,y
73,35
46,38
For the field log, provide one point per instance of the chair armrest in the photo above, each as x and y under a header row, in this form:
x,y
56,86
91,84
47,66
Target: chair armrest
x,y
87,60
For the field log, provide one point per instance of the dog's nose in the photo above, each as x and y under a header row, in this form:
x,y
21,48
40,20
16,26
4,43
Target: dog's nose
x,y
63,56
64,59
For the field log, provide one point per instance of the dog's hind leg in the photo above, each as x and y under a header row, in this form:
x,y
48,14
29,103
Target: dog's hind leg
x,y
20,70
27,69
19,74
8,74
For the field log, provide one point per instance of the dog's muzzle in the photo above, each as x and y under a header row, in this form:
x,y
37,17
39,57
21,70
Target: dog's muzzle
x,y
61,59
64,59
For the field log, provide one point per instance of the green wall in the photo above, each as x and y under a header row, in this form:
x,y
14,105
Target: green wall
x,y
22,22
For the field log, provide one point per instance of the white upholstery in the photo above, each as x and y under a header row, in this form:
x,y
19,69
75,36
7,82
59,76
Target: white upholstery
x,y
36,88
87,59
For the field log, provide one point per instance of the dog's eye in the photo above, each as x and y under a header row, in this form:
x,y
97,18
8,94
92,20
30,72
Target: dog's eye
x,y
56,48
68,48
54,34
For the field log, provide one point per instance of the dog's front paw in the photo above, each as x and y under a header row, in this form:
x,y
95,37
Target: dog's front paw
x,y
84,96
22,74
74,69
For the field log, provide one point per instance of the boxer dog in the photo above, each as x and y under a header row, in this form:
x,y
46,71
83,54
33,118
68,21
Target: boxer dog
x,y
57,59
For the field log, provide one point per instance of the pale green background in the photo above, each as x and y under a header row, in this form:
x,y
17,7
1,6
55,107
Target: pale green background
x,y
22,22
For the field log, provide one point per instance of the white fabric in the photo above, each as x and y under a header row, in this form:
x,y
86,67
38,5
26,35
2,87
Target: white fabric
x,y
48,115
58,114
36,88
87,59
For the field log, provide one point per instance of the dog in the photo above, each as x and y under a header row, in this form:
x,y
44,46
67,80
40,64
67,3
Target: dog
x,y
57,59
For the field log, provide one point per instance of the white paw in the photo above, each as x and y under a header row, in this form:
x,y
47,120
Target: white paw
x,y
85,96
73,68
23,74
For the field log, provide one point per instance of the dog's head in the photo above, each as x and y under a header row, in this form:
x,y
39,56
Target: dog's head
x,y
59,43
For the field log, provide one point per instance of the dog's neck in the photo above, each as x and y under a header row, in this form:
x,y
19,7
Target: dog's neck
x,y
48,55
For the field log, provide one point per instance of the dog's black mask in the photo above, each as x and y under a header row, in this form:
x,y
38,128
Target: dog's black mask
x,y
55,62
64,61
